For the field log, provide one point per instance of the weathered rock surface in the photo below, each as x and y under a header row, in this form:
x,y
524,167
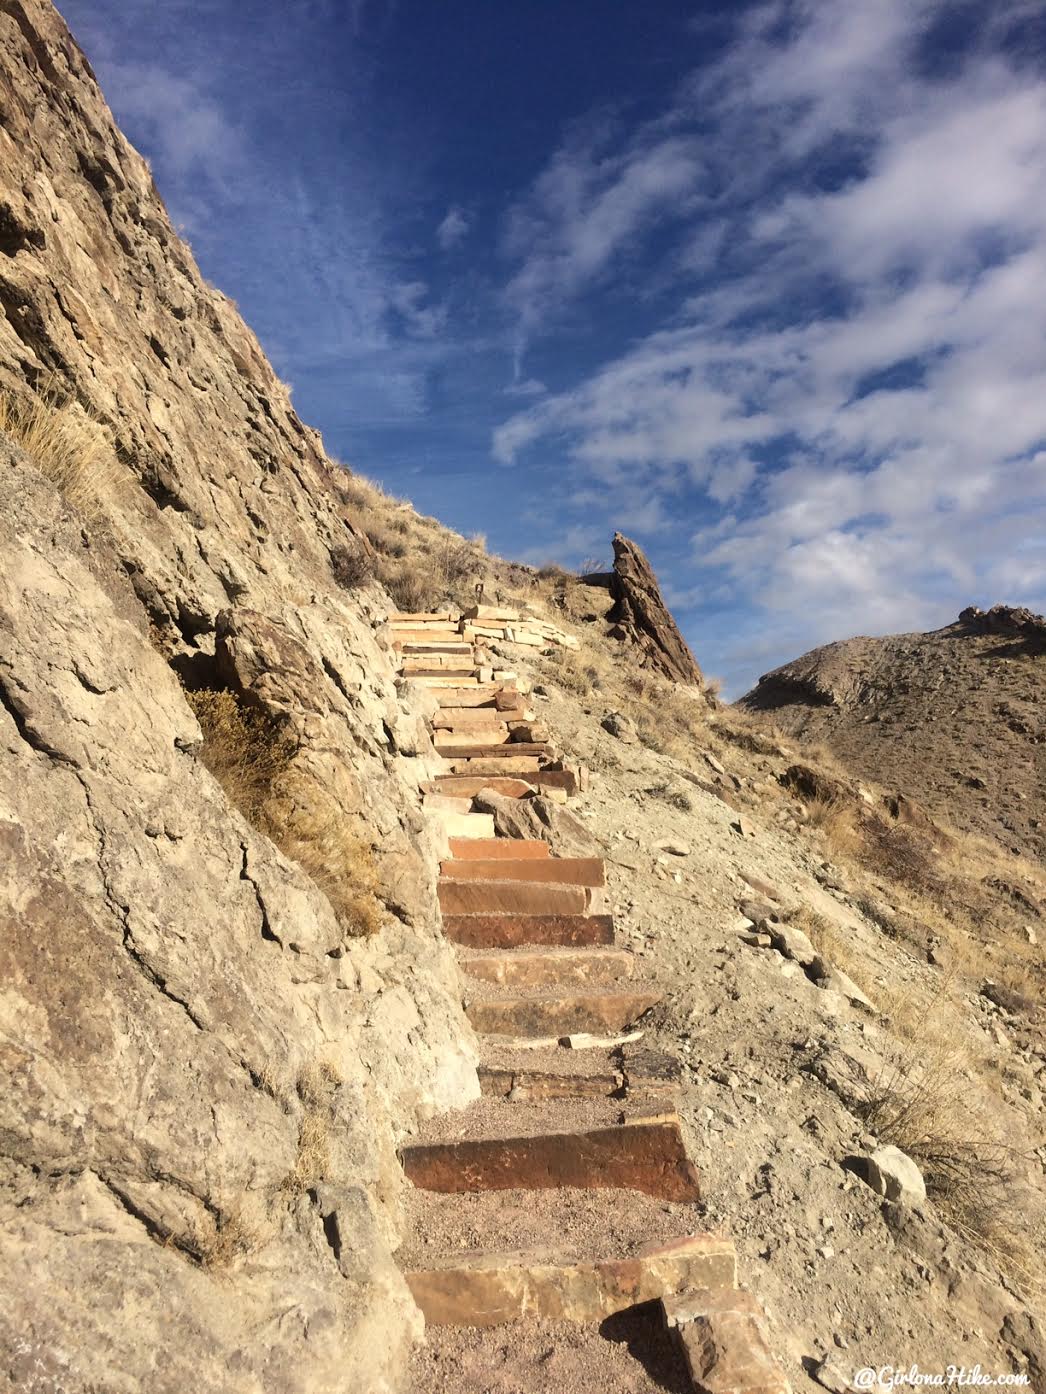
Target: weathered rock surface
x,y
640,616
893,1174
206,1079
937,715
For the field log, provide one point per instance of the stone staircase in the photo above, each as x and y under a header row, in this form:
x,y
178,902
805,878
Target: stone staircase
x,y
574,1105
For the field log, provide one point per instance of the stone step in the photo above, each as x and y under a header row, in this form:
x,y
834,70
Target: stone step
x,y
488,1289
507,762
632,1072
468,786
437,665
548,967
485,695
432,646
490,737
490,612
467,824
442,680
572,871
468,718
462,750
496,848
724,1340
523,1085
447,803
443,617
510,897
509,931
559,1015
399,634
647,1156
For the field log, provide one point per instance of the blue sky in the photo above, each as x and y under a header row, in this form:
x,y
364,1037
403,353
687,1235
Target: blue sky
x,y
763,286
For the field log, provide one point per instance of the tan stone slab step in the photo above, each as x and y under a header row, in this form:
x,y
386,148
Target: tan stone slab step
x,y
494,696
510,897
441,680
437,665
724,1341
489,1289
507,931
447,803
573,871
400,634
468,718
468,786
548,967
432,646
560,1015
491,737
496,766
526,636
643,1156
495,848
518,750
467,824
442,616
490,612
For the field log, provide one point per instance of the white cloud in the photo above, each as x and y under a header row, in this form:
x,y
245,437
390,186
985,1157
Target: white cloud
x,y
863,385
453,229
584,211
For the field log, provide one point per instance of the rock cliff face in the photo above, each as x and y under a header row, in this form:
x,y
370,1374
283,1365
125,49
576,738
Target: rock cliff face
x,y
207,1077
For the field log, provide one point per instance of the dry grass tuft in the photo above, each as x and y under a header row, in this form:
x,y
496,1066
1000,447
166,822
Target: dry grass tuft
x,y
73,451
253,760
224,1238
922,1105
245,750
351,567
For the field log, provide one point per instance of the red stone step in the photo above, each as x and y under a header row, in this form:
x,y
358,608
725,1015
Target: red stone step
x,y
647,1156
573,871
559,1015
548,967
511,897
508,931
495,848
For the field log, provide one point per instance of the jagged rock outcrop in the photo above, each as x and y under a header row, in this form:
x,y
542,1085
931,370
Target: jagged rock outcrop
x,y
640,616
207,1078
1009,621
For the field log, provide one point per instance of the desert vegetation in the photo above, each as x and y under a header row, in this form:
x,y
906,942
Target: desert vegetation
x,y
254,761
70,448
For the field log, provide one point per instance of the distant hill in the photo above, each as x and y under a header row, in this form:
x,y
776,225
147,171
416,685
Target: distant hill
x,y
955,717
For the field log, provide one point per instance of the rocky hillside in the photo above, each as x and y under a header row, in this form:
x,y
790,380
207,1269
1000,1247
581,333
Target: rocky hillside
x,y
954,717
188,1000
228,999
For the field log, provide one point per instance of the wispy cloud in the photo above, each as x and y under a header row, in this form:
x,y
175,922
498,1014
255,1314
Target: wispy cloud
x,y
453,228
855,362
595,197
